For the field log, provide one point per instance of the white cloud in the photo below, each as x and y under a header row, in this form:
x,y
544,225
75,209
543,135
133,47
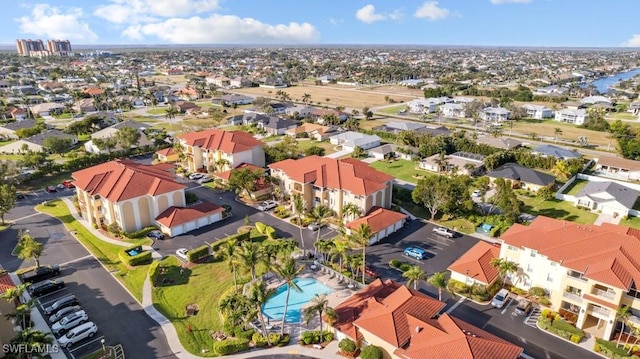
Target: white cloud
x,y
430,10
634,41
367,14
498,2
396,15
336,22
50,22
222,29
139,11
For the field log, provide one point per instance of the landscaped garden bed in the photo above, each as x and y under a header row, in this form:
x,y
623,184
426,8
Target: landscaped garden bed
x,y
476,292
554,323
399,265
614,350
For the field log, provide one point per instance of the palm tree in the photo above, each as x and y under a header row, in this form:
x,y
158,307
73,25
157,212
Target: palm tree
x,y
414,275
622,315
340,249
362,237
557,132
351,211
319,305
561,169
288,271
298,206
439,281
259,294
442,162
306,98
14,295
504,267
250,256
320,214
32,340
228,252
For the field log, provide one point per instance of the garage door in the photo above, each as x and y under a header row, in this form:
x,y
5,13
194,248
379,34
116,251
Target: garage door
x,y
202,222
177,231
190,226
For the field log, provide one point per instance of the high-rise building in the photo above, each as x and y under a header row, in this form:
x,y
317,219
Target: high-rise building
x,y
36,48
59,47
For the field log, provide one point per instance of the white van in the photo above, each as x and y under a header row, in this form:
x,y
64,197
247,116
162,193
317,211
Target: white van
x,y
82,331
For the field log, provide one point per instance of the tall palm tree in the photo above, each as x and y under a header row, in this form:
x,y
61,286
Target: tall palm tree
x,y
298,206
504,267
557,132
350,211
14,295
288,271
319,305
622,315
306,98
259,295
228,252
414,275
250,256
320,214
362,237
439,281
340,249
442,162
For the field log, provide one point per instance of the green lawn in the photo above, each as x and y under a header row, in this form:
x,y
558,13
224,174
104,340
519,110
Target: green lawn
x,y
99,354
621,116
557,209
106,253
633,222
393,110
575,187
401,169
303,145
461,225
42,182
157,111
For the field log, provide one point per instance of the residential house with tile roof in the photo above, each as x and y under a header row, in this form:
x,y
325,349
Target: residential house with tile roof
x,y
313,131
590,271
204,149
404,324
522,177
383,222
136,196
334,182
616,167
474,266
167,155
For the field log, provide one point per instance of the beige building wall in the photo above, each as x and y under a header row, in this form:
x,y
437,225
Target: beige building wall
x,y
371,339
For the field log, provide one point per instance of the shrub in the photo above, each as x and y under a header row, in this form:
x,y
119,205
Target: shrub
x,y
611,350
327,336
394,263
260,227
230,346
270,232
538,292
545,301
227,208
371,352
153,271
143,257
114,229
575,338
347,345
240,332
197,253
404,267
307,338
139,234
281,212
545,313
597,348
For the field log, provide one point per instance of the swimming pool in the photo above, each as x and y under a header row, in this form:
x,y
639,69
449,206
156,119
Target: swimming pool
x,y
274,308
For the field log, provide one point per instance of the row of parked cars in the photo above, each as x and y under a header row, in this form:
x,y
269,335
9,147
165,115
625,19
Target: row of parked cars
x,y
69,322
523,307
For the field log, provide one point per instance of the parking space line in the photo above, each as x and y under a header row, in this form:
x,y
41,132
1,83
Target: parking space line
x,y
453,307
87,343
437,241
431,246
75,260
413,259
506,305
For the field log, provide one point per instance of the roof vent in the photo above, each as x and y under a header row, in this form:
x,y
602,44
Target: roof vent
x,y
418,329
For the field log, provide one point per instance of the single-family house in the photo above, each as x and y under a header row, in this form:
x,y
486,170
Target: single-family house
x,y
247,119
8,130
277,125
46,109
555,151
592,100
617,167
466,163
453,110
85,105
397,127
550,90
183,106
573,105
325,79
334,183
232,99
216,150
607,197
318,114
537,112
422,105
167,155
634,108
391,150
134,196
575,117
17,113
522,177
474,266
313,131
383,222
495,114
299,111
239,82
349,140
504,143
35,143
111,131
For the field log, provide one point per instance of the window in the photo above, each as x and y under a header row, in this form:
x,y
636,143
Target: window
x,y
529,268
554,264
512,248
533,253
549,278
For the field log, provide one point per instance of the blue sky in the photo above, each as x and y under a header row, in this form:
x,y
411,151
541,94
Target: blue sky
x,y
584,23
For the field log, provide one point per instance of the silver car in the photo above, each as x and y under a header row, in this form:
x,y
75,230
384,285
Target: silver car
x,y
267,205
69,322
63,312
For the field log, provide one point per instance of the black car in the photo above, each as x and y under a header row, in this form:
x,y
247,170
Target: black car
x,y
20,196
46,287
155,235
66,301
41,273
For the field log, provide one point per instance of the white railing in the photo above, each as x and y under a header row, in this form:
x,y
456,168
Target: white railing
x,y
604,294
573,296
600,310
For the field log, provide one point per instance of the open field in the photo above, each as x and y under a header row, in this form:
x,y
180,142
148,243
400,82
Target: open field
x,y
168,79
401,169
557,209
351,97
305,144
624,116
569,132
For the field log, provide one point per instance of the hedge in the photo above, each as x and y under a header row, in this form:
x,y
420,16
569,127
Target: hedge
x,y
231,346
141,233
153,271
347,345
315,336
259,340
270,232
610,350
401,266
553,323
244,236
197,253
143,257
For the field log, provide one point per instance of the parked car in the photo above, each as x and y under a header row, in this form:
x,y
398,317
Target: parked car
x,y
156,235
46,287
500,298
195,176
445,232
63,312
20,196
524,307
39,274
51,189
369,272
69,322
205,179
476,193
267,205
182,253
314,226
83,331
63,302
415,252
68,184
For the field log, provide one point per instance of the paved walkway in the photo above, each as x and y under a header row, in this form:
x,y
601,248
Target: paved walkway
x,y
168,328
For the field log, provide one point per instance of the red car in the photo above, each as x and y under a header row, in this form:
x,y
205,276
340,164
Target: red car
x,y
51,189
68,184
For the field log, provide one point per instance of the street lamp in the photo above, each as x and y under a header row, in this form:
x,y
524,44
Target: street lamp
x,y
104,350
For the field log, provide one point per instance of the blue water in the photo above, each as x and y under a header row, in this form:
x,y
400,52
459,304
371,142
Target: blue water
x,y
602,84
274,308
133,253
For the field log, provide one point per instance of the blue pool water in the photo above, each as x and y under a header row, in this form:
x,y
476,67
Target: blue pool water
x,y
274,308
132,253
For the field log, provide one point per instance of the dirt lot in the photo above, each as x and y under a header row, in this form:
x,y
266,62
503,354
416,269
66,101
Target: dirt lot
x,y
351,97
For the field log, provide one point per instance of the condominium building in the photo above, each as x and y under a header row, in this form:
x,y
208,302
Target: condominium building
x,y
36,48
59,47
575,117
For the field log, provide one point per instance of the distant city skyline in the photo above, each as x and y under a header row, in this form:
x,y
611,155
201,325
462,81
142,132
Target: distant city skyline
x,y
525,23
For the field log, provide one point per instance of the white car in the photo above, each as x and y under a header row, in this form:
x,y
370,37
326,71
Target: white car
x,y
62,312
500,298
195,176
445,232
267,205
205,179
69,322
182,254
314,226
83,331
476,193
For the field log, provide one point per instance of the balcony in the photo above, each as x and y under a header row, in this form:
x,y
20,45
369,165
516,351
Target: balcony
x,y
603,294
600,312
576,276
576,297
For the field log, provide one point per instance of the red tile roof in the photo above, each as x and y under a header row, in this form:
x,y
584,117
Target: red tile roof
x,y
175,216
477,261
451,338
120,180
219,140
6,283
606,253
378,219
348,174
166,151
225,175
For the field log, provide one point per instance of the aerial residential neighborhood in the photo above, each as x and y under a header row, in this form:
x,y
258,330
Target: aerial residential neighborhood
x,y
252,186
